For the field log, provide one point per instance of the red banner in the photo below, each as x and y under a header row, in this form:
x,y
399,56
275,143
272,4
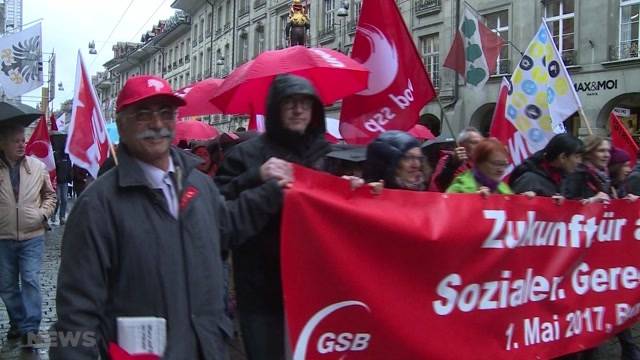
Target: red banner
x,y
408,275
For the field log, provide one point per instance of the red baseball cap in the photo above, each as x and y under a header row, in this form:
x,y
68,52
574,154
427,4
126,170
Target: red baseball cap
x,y
143,87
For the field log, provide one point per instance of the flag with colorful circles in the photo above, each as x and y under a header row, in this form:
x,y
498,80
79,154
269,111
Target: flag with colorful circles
x,y
541,95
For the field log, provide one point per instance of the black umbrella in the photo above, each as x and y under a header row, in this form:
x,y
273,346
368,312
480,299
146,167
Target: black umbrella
x,y
440,140
350,153
19,114
432,148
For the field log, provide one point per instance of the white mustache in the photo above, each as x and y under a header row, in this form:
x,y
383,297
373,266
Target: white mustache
x,y
155,135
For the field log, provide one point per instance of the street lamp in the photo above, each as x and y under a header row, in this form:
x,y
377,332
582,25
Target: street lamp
x,y
342,13
92,48
219,65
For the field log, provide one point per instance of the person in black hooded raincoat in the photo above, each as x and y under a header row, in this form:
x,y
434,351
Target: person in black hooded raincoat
x,y
294,133
395,158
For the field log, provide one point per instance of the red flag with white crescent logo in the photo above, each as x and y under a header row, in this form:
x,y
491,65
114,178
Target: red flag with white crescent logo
x,y
87,140
39,147
399,86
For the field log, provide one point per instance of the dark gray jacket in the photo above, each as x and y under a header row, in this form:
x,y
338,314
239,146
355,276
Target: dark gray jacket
x,y
257,263
530,176
124,254
632,184
583,184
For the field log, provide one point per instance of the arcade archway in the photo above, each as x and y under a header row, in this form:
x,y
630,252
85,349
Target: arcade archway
x,y
628,106
481,118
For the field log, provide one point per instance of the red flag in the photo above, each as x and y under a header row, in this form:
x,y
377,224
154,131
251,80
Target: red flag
x,y
621,138
54,124
399,86
87,141
39,146
503,130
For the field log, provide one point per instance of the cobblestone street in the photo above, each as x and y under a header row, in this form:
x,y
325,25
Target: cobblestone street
x,y
11,350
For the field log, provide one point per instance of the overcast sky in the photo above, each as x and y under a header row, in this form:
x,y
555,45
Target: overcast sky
x,y
69,25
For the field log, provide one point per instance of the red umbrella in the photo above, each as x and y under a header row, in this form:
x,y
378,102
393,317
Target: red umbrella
x,y
333,74
194,130
197,96
421,132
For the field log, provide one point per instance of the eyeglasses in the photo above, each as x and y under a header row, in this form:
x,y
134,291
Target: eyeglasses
x,y
409,158
145,116
499,164
303,101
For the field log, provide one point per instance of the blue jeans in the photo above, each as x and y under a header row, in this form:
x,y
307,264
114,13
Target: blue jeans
x,y
22,260
61,203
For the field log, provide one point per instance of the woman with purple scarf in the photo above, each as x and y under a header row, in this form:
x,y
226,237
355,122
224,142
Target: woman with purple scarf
x,y
490,160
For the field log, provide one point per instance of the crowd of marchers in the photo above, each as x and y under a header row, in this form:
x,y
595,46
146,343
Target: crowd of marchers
x,y
155,233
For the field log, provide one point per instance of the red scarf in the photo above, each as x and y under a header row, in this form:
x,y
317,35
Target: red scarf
x,y
554,173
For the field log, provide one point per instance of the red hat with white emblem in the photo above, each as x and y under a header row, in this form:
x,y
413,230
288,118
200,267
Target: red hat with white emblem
x,y
143,87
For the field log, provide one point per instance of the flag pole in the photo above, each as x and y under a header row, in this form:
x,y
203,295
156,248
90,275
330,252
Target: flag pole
x,y
111,148
515,47
444,116
113,153
585,119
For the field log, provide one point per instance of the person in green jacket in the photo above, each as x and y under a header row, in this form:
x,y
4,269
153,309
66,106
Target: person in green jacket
x,y
490,160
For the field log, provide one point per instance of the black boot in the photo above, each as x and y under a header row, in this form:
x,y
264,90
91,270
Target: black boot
x,y
13,333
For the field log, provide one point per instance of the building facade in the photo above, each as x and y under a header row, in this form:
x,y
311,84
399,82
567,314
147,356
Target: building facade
x,y
163,51
12,15
2,17
598,40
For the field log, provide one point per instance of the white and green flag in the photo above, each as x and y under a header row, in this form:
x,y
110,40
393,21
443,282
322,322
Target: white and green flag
x,y
474,51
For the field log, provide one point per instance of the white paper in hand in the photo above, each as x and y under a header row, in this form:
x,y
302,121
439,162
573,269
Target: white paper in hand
x,y
142,335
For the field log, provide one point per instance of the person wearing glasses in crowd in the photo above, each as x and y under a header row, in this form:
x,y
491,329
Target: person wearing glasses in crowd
x,y
295,128
395,160
455,163
142,240
490,159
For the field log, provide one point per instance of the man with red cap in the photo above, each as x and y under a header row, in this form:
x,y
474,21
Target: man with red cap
x,y
144,240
